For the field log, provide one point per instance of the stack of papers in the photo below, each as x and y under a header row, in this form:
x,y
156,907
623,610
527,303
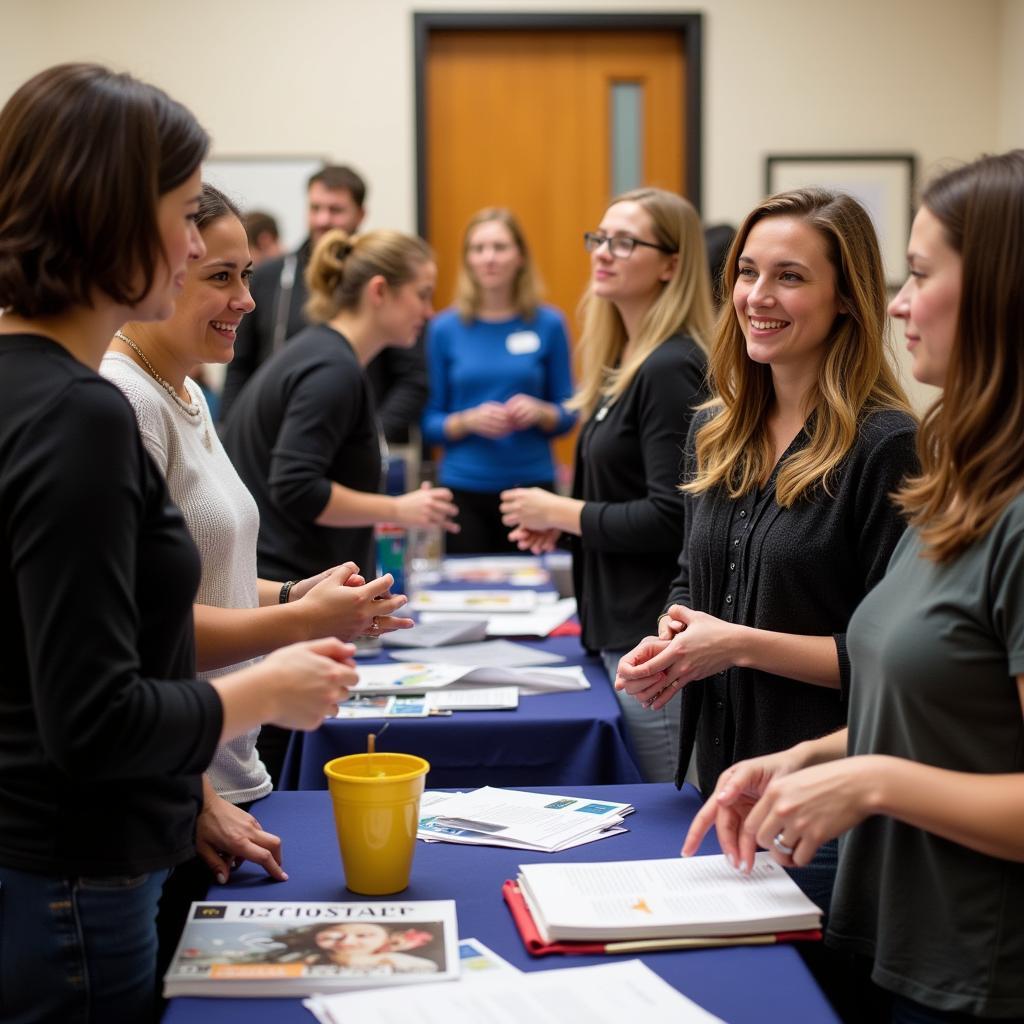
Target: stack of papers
x,y
514,570
483,601
421,677
496,698
426,635
489,653
545,617
524,821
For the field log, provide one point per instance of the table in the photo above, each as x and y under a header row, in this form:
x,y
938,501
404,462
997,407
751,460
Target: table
x,y
741,985
560,739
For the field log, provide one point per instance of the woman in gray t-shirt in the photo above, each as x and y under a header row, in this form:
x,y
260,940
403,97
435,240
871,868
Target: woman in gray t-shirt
x,y
928,781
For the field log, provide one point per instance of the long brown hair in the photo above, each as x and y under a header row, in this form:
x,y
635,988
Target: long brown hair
x,y
683,305
970,443
734,449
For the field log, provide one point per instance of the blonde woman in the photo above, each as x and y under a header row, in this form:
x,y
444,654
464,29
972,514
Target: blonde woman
x,y
499,378
790,469
646,319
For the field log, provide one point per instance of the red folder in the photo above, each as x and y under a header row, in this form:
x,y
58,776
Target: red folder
x,y
536,946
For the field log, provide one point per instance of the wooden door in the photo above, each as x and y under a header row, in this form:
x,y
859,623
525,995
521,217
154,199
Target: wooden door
x,y
524,119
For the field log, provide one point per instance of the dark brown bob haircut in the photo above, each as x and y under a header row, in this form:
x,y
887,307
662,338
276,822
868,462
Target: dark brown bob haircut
x,y
337,177
213,205
85,155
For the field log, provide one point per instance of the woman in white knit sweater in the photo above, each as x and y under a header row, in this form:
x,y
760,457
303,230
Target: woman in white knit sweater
x,y
238,617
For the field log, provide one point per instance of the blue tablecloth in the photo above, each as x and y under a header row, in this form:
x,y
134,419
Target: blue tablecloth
x,y
742,985
561,739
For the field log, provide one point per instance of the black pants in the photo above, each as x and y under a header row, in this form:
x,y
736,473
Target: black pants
x,y
483,532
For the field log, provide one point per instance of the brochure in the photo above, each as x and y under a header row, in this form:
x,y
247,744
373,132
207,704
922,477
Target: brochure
x,y
487,653
421,677
429,635
542,822
294,949
663,899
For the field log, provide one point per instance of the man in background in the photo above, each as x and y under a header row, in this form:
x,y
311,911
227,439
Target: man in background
x,y
336,199
263,236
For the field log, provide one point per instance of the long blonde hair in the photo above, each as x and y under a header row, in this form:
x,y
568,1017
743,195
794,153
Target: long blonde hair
x,y
734,449
969,444
684,304
526,288
341,266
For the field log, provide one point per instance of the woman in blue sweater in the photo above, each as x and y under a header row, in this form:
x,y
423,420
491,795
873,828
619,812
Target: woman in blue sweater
x,y
499,373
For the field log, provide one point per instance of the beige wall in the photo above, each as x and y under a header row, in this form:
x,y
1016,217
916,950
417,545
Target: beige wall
x,y
942,78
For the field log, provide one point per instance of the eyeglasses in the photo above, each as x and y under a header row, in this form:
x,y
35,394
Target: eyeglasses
x,y
620,246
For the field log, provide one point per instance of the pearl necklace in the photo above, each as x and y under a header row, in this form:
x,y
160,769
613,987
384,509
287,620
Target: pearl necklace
x,y
191,410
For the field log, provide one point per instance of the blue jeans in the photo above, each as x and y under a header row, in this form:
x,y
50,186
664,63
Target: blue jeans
x,y
78,950
653,735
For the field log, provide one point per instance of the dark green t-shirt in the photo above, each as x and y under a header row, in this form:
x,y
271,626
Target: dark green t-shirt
x,y
935,650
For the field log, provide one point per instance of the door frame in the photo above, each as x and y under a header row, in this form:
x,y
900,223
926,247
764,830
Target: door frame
x,y
689,27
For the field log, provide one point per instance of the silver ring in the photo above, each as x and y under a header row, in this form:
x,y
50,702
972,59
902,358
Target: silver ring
x,y
781,846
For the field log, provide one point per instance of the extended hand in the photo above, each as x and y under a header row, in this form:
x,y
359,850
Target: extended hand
x,y
226,835
335,608
428,506
308,680
532,507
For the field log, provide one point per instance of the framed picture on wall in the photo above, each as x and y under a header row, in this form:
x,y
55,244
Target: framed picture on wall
x,y
883,182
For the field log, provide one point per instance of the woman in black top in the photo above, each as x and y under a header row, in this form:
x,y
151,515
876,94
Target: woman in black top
x,y
304,436
104,732
648,314
790,468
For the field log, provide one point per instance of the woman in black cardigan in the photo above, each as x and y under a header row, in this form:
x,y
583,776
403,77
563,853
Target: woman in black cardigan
x,y
647,318
789,472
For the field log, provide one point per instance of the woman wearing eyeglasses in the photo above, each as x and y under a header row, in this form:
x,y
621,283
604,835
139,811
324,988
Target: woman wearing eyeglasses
x,y
647,316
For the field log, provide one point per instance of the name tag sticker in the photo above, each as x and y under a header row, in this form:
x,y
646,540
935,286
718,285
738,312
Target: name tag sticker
x,y
521,342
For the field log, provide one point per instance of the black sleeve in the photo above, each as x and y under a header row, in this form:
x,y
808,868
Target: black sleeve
x,y
679,592
254,337
877,520
323,403
399,379
667,391
76,506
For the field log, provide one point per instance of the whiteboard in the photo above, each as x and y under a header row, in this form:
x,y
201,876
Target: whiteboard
x,y
276,185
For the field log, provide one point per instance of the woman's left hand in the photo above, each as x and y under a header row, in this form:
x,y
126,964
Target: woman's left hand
x,y
348,575
525,411
807,808
537,542
226,835
532,507
704,646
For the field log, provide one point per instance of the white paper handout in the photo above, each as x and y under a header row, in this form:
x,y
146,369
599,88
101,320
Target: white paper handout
x,y
540,622
605,994
421,677
543,822
428,635
483,655
487,698
513,570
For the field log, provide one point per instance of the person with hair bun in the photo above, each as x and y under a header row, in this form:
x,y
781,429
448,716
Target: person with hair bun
x,y
499,377
104,731
927,783
646,320
304,434
789,472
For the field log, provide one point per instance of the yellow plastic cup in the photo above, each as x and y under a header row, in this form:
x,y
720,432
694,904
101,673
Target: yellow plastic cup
x,y
376,800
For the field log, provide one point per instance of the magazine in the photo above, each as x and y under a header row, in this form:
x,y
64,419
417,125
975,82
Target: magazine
x,y
296,949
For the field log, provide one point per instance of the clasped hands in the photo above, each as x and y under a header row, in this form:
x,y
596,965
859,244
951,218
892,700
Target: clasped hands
x,y
690,645
530,512
498,419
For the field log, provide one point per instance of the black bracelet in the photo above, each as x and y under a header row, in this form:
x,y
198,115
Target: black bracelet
x,y
286,589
